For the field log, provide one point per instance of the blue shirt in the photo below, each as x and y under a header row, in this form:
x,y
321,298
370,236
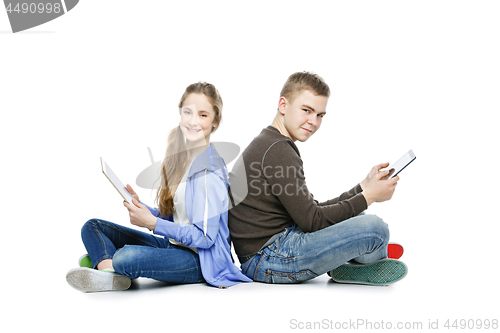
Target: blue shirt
x,y
207,203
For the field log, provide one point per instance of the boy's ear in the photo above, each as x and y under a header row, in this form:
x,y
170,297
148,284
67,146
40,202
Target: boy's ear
x,y
282,104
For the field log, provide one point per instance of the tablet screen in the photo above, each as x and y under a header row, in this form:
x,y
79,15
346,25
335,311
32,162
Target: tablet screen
x,y
402,163
116,182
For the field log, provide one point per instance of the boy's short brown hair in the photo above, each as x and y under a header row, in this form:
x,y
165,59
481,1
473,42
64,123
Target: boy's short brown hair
x,y
300,81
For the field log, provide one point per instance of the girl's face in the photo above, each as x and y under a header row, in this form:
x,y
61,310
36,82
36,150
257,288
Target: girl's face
x,y
197,118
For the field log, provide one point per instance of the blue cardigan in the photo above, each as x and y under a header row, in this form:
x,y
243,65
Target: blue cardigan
x,y
206,205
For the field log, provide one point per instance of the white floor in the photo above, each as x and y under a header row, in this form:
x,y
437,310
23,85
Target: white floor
x,y
434,290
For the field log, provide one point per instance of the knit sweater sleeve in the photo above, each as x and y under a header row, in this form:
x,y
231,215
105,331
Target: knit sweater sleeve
x,y
344,196
283,170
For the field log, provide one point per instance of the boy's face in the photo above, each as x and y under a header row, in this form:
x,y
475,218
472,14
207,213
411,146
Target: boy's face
x,y
303,116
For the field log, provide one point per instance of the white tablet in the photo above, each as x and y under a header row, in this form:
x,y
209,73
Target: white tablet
x,y
402,163
116,182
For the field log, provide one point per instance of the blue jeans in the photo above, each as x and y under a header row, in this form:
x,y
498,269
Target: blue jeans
x,y
296,256
139,254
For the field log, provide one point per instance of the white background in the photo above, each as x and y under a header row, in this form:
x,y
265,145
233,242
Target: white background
x,y
105,80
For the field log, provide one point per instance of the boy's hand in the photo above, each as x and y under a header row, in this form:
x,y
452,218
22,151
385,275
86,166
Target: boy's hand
x,y
140,215
379,189
375,170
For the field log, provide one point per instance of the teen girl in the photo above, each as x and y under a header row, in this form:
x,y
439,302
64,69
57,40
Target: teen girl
x,y
191,215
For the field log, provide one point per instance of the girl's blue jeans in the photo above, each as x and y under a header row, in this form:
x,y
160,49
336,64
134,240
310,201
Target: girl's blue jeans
x,y
296,256
139,254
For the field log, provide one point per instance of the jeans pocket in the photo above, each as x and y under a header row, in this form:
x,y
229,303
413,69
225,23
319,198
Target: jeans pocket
x,y
249,266
294,277
244,266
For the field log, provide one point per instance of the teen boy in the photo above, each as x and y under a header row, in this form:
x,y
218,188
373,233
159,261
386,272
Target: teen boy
x,y
280,233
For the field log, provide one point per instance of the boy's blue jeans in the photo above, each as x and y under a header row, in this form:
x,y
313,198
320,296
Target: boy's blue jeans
x,y
139,254
296,256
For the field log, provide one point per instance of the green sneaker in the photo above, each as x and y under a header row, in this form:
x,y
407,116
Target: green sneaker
x,y
91,280
378,273
85,261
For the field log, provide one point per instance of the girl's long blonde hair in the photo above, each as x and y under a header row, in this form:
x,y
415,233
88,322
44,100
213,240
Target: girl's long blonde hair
x,y
175,162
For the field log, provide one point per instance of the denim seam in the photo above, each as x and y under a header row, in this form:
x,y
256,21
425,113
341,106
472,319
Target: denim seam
x,y
283,258
357,238
128,234
102,243
257,269
165,271
291,275
140,273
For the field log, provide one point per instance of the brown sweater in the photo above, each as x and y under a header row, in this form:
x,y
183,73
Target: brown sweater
x,y
269,190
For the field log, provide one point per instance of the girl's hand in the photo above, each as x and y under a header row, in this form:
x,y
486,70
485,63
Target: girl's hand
x,y
375,170
140,215
131,190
